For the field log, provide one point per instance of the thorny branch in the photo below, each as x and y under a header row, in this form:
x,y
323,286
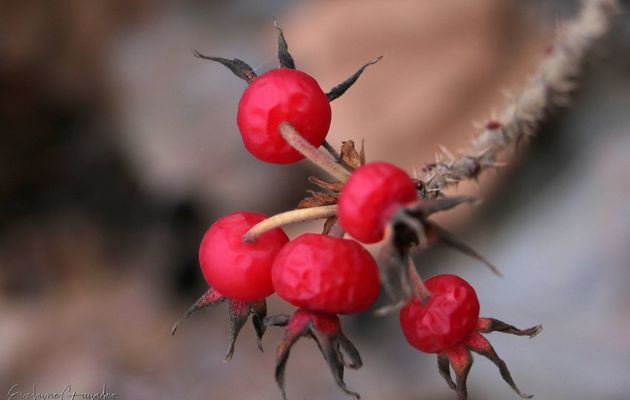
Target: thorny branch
x,y
549,87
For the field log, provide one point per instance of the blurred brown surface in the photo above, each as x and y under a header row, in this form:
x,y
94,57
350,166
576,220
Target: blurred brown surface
x,y
118,148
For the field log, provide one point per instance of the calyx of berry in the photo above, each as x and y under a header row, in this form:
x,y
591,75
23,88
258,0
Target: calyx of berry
x,y
459,357
409,227
283,95
448,324
325,329
238,312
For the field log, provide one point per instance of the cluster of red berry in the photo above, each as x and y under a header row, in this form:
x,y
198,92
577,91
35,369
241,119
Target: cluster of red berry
x,y
283,116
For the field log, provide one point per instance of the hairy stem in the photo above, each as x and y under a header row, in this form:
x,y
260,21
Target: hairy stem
x,y
419,288
318,158
289,217
549,87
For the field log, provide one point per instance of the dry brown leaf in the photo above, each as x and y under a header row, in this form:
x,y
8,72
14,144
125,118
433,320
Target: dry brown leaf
x,y
330,222
330,186
349,154
317,199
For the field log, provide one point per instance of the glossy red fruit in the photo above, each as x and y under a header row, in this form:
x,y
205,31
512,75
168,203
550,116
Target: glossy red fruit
x,y
239,270
282,95
370,197
326,274
450,314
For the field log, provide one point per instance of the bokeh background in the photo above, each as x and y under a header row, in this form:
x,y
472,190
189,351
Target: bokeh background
x,y
118,149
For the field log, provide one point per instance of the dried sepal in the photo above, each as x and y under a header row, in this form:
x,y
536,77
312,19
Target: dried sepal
x,y
459,357
284,57
334,187
487,325
277,320
402,282
328,225
209,298
350,156
329,347
362,152
352,358
238,312
238,67
437,234
461,361
317,199
325,329
259,313
282,356
480,345
409,227
392,272
444,367
345,85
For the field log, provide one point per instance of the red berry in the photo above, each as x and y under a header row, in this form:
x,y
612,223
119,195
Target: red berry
x,y
277,96
370,197
326,274
239,270
446,319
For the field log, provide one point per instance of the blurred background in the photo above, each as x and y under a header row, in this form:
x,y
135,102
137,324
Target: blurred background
x,y
118,149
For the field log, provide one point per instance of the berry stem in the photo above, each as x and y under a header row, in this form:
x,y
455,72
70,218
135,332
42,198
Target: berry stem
x,y
336,230
318,158
289,217
419,288
331,150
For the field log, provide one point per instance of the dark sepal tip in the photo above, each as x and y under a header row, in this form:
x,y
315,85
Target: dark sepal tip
x,y
480,345
461,361
441,235
210,298
259,313
444,368
393,266
488,325
238,67
238,312
325,329
284,57
341,88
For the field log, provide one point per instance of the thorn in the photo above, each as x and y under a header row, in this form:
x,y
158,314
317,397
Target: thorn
x,y
448,154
